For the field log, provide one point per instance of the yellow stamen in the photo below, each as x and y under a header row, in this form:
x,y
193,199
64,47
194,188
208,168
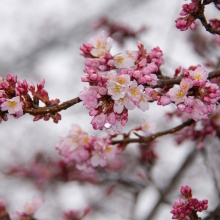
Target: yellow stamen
x,y
180,94
12,104
197,77
85,140
101,54
117,88
120,59
185,87
108,149
121,80
134,91
121,100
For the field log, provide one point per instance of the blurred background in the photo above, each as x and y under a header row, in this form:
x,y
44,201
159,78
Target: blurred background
x,y
40,40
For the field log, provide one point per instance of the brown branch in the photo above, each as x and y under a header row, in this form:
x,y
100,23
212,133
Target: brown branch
x,y
69,103
169,82
187,163
214,214
214,74
150,138
201,16
52,109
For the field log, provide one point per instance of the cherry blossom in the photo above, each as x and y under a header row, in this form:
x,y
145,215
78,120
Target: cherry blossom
x,y
123,61
13,106
100,44
85,150
187,209
148,127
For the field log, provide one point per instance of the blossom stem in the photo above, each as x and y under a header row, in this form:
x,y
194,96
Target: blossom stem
x,y
174,181
69,103
150,138
168,82
200,15
52,109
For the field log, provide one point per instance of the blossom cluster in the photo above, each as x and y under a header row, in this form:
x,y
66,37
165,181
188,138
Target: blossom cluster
x,y
117,83
187,208
124,81
15,95
196,96
188,18
86,151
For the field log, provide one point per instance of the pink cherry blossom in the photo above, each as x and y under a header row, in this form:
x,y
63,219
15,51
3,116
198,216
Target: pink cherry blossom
x,y
101,44
199,76
135,92
33,206
116,90
176,95
148,127
89,97
123,61
13,106
123,102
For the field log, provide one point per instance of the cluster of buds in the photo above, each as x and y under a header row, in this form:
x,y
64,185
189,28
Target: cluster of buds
x,y
215,23
188,11
86,151
187,208
16,95
196,96
117,83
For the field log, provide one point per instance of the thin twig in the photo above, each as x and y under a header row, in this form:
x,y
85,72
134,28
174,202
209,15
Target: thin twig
x,y
189,160
52,109
201,16
150,138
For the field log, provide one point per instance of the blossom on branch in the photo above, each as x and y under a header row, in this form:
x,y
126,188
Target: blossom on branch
x,y
188,10
86,151
117,82
100,44
187,208
13,106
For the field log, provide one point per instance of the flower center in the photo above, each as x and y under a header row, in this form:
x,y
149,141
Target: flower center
x,y
134,91
121,80
12,104
180,94
117,88
120,59
197,77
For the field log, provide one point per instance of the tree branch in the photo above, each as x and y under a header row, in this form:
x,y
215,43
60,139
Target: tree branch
x,y
169,82
187,163
200,15
63,106
150,138
52,109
